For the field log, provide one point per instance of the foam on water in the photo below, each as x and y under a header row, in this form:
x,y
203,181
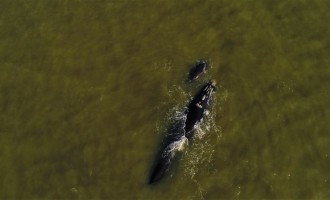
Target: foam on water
x,y
176,146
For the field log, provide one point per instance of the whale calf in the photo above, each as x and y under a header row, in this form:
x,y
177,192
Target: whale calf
x,y
199,68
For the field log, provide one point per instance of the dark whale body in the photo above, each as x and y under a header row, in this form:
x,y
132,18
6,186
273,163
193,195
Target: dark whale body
x,y
165,156
181,129
197,107
199,68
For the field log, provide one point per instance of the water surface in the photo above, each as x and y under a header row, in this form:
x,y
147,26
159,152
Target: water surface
x,y
87,89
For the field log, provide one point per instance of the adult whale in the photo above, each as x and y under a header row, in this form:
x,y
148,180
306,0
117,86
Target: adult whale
x,y
197,107
183,131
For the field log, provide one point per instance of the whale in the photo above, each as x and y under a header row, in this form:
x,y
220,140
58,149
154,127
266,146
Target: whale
x,y
197,108
199,69
181,131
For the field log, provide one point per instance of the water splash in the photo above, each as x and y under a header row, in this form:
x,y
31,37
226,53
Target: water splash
x,y
176,146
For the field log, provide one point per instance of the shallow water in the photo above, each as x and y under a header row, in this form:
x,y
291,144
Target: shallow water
x,y
87,89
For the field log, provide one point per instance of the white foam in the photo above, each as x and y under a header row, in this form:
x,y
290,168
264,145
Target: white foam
x,y
176,146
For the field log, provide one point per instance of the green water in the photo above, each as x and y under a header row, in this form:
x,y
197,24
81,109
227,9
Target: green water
x,y
87,89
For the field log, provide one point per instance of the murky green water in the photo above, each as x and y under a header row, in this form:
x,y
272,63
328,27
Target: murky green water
x,y
87,88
